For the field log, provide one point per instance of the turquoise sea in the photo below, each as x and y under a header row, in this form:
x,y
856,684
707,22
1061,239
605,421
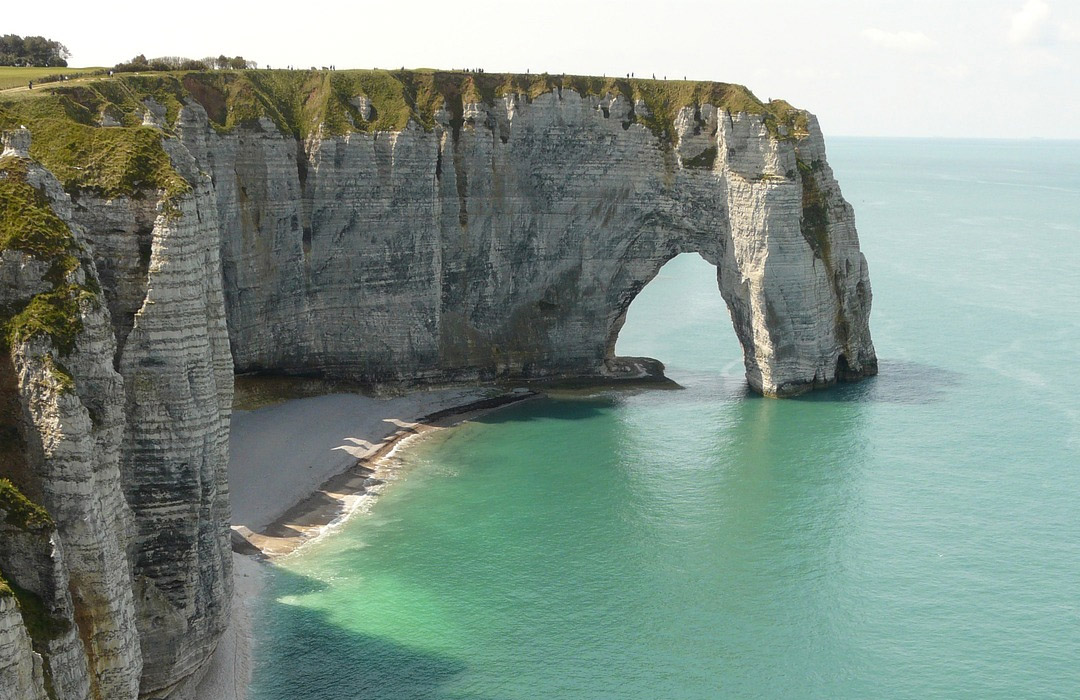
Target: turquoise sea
x,y
913,536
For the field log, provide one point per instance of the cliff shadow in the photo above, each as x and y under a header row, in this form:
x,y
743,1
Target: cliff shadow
x,y
551,408
15,457
301,654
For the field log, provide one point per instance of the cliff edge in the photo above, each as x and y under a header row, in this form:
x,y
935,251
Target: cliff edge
x,y
400,228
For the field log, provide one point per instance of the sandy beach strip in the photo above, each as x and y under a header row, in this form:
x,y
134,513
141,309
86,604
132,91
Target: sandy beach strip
x,y
301,466
229,673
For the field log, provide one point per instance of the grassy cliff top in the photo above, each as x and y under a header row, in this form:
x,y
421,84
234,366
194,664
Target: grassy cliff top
x,y
65,123
301,101
67,120
18,76
90,133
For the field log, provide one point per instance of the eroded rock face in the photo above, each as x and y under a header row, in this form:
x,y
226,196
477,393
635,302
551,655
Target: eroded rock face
x,y
125,447
506,242
21,676
167,309
34,557
178,380
68,421
512,247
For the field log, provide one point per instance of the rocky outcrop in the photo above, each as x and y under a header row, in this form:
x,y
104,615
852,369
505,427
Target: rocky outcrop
x,y
130,464
21,676
497,230
64,412
511,246
178,384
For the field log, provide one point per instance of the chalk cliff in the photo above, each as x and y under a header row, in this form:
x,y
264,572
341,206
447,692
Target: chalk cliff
x,y
405,228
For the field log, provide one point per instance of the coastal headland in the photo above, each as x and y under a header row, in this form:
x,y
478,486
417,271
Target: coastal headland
x,y
396,229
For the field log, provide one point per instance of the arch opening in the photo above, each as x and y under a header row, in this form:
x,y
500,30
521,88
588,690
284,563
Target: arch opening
x,y
680,318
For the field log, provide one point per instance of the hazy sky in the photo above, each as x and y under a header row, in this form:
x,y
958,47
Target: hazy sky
x,y
986,68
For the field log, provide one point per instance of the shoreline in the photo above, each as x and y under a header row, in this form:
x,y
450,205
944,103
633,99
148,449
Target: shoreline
x,y
339,446
323,508
335,500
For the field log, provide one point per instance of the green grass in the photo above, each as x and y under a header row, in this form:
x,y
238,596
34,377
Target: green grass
x,y
18,77
28,224
56,314
301,102
21,511
113,161
5,589
419,94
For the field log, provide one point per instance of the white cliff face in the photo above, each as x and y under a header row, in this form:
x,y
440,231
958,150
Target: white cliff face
x,y
162,282
70,430
512,244
21,676
178,377
131,465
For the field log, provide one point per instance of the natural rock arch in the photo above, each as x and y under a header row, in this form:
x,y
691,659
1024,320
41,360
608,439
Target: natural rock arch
x,y
510,249
627,297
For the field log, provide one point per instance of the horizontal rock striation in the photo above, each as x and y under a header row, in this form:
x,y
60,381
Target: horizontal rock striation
x,y
400,229
508,239
124,447
63,418
511,246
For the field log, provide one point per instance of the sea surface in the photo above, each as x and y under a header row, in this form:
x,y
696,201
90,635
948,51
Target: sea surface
x,y
913,536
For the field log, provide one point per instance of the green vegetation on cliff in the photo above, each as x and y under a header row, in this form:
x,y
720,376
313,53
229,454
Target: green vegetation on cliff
x,y
29,225
20,511
67,138
303,102
299,102
55,313
5,589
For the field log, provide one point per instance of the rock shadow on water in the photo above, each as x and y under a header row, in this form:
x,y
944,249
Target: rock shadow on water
x,y
303,655
897,382
551,408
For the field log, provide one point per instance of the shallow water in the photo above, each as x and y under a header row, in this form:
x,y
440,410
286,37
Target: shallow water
x,y
916,535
